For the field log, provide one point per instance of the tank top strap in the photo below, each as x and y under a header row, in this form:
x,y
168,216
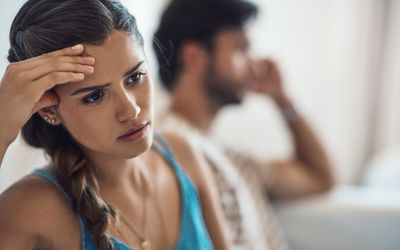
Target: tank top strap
x,y
87,243
193,232
47,175
161,146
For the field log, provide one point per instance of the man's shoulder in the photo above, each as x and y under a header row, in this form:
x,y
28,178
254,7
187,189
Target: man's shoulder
x,y
170,121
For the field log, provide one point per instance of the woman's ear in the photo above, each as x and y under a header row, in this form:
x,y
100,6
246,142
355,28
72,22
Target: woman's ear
x,y
47,108
50,115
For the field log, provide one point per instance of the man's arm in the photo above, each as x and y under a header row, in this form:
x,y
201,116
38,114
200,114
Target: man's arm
x,y
310,169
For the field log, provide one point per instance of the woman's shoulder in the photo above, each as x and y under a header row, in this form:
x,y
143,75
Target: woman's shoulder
x,y
188,156
34,209
31,193
181,148
179,144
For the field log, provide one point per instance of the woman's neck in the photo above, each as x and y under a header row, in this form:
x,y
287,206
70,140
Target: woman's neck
x,y
114,173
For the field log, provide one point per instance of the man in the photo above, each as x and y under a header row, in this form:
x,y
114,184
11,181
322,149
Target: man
x,y
204,63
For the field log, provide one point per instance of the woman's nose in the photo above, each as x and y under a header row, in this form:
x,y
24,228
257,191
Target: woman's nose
x,y
127,109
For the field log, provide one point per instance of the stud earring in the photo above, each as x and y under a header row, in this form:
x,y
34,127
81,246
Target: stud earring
x,y
49,120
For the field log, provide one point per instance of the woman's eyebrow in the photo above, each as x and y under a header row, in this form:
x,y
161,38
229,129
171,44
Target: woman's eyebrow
x,y
91,88
133,69
96,87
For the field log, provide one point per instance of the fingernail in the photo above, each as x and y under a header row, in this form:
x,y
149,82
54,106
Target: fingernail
x,y
77,47
80,76
89,68
89,59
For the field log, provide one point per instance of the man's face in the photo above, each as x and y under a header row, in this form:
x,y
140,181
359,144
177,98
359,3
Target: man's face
x,y
115,100
230,68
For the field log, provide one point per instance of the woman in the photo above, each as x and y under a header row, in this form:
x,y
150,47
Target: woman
x,y
90,107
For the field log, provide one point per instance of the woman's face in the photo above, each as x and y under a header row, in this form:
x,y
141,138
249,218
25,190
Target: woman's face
x,y
110,112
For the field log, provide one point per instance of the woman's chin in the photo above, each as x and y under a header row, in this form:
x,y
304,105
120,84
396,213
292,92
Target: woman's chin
x,y
139,147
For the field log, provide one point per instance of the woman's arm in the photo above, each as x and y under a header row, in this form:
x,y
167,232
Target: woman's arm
x,y
25,84
31,212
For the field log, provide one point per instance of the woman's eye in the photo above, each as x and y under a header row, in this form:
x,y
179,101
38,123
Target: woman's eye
x,y
94,97
135,78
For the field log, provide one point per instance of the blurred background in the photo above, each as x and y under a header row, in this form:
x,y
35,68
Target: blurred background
x,y
340,60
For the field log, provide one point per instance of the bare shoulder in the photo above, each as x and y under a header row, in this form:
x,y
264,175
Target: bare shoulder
x,y
32,196
31,212
178,143
181,148
188,156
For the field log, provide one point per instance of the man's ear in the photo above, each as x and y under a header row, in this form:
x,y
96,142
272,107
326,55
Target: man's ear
x,y
194,57
50,115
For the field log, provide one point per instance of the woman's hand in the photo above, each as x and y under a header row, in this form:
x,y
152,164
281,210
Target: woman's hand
x,y
25,84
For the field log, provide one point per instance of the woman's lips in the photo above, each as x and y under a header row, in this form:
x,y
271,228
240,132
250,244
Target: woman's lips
x,y
135,133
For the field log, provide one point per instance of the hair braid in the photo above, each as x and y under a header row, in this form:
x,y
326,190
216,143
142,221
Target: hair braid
x,y
79,181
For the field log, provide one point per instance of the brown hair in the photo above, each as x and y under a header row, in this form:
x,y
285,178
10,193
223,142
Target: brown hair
x,y
43,26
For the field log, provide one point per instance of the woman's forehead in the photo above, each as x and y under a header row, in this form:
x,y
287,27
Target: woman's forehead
x,y
113,59
119,45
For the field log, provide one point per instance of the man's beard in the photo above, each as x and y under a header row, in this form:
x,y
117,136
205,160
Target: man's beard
x,y
221,91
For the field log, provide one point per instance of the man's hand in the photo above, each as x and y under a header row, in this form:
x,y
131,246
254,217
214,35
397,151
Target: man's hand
x,y
268,81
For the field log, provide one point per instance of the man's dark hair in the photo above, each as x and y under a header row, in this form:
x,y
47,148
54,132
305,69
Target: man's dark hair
x,y
197,20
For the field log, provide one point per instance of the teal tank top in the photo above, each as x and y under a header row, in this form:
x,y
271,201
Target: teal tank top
x,y
193,234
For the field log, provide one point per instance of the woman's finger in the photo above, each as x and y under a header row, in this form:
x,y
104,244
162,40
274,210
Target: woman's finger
x,y
84,60
43,70
56,78
33,62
